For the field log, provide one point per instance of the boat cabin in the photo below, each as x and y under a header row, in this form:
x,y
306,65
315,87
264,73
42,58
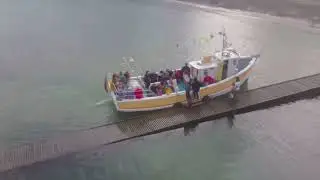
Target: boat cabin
x,y
219,66
198,68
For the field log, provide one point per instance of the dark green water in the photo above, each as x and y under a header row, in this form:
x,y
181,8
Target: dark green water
x,y
54,55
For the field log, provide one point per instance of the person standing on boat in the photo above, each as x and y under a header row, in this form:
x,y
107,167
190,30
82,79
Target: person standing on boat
x,y
170,83
179,76
170,73
237,84
161,76
129,93
208,79
127,76
159,90
120,91
235,88
186,69
196,88
153,88
168,89
114,81
147,79
122,79
173,84
186,79
138,93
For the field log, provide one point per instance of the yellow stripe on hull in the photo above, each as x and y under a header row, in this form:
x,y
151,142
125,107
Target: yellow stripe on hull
x,y
151,103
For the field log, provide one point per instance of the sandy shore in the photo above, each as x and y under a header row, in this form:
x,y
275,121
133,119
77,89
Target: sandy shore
x,y
305,9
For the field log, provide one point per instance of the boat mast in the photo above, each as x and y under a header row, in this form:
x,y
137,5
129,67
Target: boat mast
x,y
224,39
225,43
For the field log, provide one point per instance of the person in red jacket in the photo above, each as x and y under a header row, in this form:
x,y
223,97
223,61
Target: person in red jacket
x,y
178,76
138,93
208,79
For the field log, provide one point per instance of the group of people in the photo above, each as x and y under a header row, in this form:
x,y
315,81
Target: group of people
x,y
121,80
167,81
164,82
123,90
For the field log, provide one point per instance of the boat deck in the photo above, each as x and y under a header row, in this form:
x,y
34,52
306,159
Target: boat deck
x,y
158,121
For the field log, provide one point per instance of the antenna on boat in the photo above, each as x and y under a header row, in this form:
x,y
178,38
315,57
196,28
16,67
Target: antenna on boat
x,y
225,43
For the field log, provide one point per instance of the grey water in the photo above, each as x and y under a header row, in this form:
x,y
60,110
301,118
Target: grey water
x,y
54,56
277,143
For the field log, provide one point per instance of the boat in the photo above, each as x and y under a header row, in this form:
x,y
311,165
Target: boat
x,y
226,66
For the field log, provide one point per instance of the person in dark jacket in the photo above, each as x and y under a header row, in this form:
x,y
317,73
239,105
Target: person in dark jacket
x,y
161,76
170,73
153,77
186,69
196,88
147,79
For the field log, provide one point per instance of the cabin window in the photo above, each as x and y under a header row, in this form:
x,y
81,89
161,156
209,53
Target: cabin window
x,y
193,71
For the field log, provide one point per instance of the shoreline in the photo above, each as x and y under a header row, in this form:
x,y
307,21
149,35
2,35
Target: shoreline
x,y
299,9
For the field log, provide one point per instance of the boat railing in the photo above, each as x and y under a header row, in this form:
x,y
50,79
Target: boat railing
x,y
131,94
126,93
